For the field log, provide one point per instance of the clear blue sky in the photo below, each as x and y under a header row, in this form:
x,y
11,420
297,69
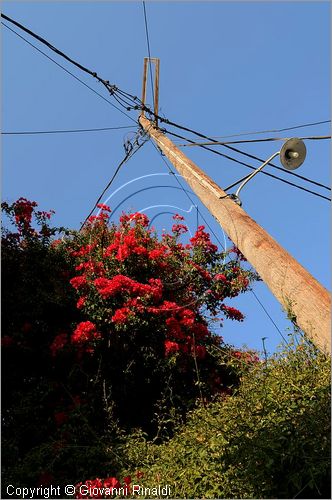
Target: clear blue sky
x,y
226,68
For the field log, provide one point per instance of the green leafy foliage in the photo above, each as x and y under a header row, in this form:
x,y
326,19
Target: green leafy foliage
x,y
271,439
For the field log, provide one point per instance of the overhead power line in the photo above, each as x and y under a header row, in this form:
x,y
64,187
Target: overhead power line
x,y
186,193
165,120
266,139
202,144
134,98
269,316
148,46
294,127
131,103
55,49
129,153
34,132
69,72
112,89
306,179
237,151
253,168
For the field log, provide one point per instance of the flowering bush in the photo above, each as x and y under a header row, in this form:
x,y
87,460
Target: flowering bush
x,y
147,306
105,330
38,308
21,214
128,278
103,488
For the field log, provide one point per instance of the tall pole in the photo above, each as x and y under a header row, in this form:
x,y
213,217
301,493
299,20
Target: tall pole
x,y
300,294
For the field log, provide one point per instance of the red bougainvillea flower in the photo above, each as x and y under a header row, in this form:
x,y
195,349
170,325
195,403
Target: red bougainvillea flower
x,y
220,277
6,341
126,487
90,489
23,210
126,244
158,253
111,482
123,253
76,401
203,272
81,302
85,332
58,445
250,357
199,351
84,250
233,313
60,418
200,330
171,347
178,217
120,283
27,327
91,267
55,243
21,213
46,215
239,254
202,239
58,343
137,218
121,315
99,488
101,218
45,479
78,282
174,328
104,207
187,317
140,219
179,229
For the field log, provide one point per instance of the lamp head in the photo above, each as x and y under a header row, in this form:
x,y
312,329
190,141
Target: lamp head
x,y
292,154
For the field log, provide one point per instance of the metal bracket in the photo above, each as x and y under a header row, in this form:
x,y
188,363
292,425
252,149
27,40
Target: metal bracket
x,y
292,155
236,196
156,62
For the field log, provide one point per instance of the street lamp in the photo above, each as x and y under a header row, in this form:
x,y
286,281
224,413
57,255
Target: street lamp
x,y
292,155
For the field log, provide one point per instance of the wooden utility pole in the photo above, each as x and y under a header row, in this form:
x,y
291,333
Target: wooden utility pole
x,y
300,294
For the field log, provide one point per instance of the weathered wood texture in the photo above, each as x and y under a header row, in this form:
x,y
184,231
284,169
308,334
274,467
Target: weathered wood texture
x,y
296,289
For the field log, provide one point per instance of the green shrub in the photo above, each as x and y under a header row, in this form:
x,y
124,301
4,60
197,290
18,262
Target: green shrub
x,y
271,439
